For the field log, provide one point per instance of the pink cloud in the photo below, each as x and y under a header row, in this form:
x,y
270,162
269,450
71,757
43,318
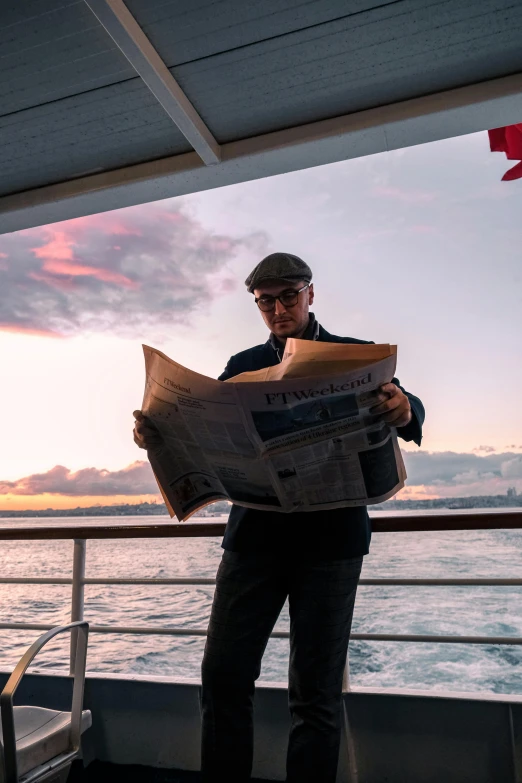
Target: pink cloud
x,y
30,332
432,474
65,284
59,267
463,474
135,479
59,246
116,223
59,259
135,271
471,487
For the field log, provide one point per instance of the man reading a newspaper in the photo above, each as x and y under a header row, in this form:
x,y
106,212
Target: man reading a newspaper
x,y
313,559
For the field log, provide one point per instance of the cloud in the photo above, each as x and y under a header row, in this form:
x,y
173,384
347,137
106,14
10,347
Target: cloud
x,y
454,474
135,479
426,467
486,449
512,468
430,474
471,477
128,271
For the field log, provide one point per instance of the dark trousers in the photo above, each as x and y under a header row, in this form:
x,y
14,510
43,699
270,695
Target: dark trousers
x,y
250,592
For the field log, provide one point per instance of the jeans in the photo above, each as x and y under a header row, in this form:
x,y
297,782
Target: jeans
x,y
250,592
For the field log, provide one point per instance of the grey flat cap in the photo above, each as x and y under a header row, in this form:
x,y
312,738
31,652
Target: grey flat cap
x,y
278,266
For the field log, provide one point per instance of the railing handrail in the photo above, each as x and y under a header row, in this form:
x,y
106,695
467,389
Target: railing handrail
x,y
198,581
381,523
162,630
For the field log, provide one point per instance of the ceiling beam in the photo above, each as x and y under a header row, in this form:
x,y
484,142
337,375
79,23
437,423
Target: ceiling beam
x,y
130,38
430,118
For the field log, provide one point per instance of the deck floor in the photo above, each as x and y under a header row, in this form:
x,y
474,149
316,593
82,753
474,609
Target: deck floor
x,y
103,772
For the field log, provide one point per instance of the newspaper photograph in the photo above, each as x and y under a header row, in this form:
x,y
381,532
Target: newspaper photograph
x,y
298,436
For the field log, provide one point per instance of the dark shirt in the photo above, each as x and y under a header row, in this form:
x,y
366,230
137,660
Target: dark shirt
x,y
334,534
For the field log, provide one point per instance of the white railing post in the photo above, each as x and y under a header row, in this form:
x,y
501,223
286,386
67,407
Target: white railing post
x,y
350,774
77,595
346,674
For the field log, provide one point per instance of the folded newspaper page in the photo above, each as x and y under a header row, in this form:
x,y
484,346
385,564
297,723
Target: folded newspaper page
x,y
295,437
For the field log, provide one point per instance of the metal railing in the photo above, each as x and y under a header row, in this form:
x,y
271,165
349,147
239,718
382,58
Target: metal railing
x,y
413,523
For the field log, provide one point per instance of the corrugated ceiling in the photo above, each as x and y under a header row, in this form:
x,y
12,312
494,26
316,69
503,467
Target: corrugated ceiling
x,y
71,103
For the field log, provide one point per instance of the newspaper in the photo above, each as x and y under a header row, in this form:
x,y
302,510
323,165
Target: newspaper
x,y
298,436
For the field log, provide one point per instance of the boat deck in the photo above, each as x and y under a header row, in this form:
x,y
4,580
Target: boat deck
x,y
103,772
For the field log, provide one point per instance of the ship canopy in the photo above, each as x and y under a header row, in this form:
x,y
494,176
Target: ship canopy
x,y
105,104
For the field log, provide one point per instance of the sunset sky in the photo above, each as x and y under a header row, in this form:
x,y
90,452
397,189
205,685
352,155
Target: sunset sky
x,y
420,247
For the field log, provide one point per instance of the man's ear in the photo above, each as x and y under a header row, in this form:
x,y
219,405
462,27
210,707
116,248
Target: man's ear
x,y
311,293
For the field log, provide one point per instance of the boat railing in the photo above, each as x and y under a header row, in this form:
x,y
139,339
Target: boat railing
x,y
380,524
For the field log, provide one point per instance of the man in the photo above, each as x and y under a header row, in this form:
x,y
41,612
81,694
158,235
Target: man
x,y
313,559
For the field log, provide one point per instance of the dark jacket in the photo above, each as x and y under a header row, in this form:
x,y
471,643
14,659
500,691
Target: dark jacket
x,y
335,534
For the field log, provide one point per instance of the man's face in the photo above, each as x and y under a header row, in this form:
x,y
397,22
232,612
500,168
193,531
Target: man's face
x,y
286,320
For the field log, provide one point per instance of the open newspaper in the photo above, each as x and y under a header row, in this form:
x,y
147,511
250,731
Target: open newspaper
x,y
295,437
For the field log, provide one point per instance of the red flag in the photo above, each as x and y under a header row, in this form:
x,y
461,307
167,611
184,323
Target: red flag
x,y
508,140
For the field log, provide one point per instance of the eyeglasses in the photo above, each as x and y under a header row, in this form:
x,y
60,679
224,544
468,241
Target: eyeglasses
x,y
288,298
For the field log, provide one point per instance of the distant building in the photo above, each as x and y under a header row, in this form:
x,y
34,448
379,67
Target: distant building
x,y
511,493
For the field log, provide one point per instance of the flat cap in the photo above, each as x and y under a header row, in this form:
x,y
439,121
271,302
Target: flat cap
x,y
278,266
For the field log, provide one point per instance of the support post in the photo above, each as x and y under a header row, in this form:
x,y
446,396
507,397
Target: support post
x,y
77,596
139,51
346,674
348,773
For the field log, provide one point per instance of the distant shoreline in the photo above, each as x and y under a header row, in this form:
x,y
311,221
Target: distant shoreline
x,y
220,508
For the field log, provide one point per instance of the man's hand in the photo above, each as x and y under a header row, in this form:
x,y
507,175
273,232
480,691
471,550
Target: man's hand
x,y
146,436
393,406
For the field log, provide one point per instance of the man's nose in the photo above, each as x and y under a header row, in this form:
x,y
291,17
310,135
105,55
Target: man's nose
x,y
279,309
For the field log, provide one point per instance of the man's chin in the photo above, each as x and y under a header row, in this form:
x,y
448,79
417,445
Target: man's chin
x,y
285,329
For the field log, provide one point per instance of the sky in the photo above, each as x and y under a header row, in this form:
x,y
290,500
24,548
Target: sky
x,y
421,247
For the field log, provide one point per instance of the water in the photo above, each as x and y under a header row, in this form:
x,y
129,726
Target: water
x,y
417,610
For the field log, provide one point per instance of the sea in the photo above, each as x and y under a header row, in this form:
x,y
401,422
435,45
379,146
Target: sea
x,y
494,611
